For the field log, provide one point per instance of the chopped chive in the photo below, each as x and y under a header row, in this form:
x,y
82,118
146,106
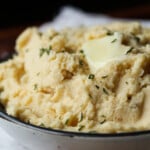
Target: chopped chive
x,y
81,116
104,119
113,40
40,33
109,33
91,76
42,125
81,63
45,50
105,91
97,86
130,50
50,47
27,50
81,127
35,86
104,76
38,74
82,51
1,89
28,121
67,121
90,96
137,39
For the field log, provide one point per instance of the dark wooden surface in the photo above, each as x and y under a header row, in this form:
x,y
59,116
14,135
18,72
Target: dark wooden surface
x,y
9,34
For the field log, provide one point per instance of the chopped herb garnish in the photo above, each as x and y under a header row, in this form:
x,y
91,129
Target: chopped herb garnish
x,y
97,86
42,125
1,90
113,40
90,96
28,121
126,82
110,33
137,39
67,121
104,76
38,74
40,33
81,116
103,120
81,51
35,86
81,127
130,50
45,50
105,91
91,76
81,63
27,50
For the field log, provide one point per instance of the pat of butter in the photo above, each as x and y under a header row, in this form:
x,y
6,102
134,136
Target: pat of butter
x,y
100,51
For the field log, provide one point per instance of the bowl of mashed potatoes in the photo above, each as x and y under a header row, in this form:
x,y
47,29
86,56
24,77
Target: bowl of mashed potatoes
x,y
88,85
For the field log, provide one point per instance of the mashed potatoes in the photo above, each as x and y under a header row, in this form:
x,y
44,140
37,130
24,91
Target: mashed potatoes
x,y
52,82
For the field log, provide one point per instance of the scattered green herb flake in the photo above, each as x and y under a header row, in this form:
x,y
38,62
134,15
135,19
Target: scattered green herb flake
x,y
103,77
45,50
35,86
97,86
42,51
130,50
81,127
82,51
81,63
109,33
38,74
40,33
91,76
62,51
42,125
90,96
1,90
113,40
28,121
67,121
27,50
126,82
48,51
50,47
81,116
137,39
103,120
105,91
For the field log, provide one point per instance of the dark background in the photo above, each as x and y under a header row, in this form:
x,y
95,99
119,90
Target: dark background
x,y
33,12
15,16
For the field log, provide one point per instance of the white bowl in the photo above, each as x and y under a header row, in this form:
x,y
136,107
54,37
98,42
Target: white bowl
x,y
38,138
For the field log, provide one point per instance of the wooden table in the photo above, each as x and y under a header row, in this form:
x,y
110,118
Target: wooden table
x,y
9,34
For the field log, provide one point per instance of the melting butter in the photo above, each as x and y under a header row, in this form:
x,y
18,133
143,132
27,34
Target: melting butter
x,y
100,51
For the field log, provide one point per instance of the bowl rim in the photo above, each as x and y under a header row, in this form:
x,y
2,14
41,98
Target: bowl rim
x,y
12,119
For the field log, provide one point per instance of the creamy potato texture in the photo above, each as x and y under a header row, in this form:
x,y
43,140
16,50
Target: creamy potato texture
x,y
87,79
